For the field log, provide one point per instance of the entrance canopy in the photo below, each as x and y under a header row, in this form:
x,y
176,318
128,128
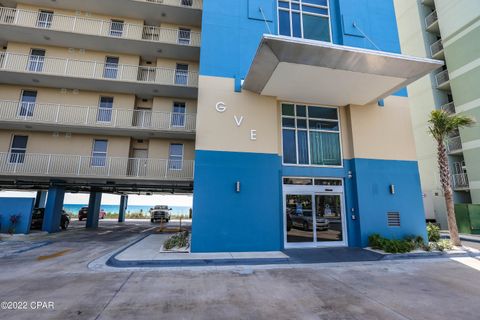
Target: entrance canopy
x,y
296,69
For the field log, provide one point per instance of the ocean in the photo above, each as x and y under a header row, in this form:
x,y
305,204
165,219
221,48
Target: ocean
x,y
176,211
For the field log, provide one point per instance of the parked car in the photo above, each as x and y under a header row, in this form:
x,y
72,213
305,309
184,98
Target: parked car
x,y
160,213
303,220
38,215
289,222
83,213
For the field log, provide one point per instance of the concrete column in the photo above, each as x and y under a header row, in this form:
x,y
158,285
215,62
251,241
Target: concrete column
x,y
93,209
123,208
41,199
53,209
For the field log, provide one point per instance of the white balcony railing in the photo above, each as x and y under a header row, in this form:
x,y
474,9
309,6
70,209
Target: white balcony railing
x,y
454,144
16,111
436,47
96,70
194,4
449,108
442,78
460,181
107,28
56,165
431,19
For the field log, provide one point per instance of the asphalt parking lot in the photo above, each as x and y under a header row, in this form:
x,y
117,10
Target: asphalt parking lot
x,y
57,275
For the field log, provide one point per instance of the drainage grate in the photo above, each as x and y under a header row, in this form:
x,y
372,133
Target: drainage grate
x,y
393,219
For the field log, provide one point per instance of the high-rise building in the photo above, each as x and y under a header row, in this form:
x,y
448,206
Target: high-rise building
x,y
448,30
288,120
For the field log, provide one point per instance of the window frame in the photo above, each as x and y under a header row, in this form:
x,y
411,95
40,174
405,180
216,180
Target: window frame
x,y
93,163
183,40
45,23
301,12
176,116
173,168
308,130
102,111
17,157
115,31
30,109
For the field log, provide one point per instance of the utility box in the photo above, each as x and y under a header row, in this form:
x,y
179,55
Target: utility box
x,y
468,218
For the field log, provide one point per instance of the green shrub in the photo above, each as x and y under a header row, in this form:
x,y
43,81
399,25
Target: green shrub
x,y
443,245
433,232
405,245
178,240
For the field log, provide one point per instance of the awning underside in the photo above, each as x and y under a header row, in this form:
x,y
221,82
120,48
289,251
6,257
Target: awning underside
x,y
323,73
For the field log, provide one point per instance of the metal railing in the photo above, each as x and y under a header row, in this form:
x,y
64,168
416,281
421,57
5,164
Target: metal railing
x,y
58,165
18,111
442,78
97,27
449,108
454,144
436,47
194,4
431,19
460,181
18,62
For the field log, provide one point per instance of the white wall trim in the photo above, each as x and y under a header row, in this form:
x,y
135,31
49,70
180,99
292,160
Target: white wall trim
x,y
468,106
461,34
475,185
466,68
474,144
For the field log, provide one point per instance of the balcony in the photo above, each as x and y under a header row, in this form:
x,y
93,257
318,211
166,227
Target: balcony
x,y
436,50
142,124
460,181
449,108
443,80
166,11
454,145
47,29
22,69
431,23
69,166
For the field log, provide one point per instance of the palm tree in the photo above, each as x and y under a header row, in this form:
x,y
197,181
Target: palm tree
x,y
441,126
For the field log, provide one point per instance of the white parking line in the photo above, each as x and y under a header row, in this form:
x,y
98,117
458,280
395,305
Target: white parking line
x,y
470,262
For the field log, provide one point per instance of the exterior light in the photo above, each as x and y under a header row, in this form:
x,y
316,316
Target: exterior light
x,y
392,189
237,186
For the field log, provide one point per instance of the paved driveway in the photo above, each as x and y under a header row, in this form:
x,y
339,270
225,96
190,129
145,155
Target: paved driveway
x,y
58,272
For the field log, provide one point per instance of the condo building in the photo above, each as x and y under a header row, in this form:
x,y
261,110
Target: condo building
x,y
287,120
449,31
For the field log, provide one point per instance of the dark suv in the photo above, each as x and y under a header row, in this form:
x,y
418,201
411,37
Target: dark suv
x,y
83,213
38,215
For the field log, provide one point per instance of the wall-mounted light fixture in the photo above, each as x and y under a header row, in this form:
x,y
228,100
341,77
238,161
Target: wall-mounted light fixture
x,y
350,175
392,189
237,186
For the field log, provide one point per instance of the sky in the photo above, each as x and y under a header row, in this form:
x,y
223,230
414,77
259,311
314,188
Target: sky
x,y
110,199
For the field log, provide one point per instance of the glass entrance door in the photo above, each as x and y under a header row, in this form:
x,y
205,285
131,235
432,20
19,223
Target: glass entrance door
x,y
314,219
329,217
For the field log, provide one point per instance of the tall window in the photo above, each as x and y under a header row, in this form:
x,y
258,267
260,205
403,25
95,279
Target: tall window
x,y
36,60
105,109
178,114
99,153
18,149
116,28
309,19
184,36
111,67
311,135
44,19
27,104
175,159
181,74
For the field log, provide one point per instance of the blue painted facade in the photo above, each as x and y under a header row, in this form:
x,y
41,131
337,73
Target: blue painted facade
x,y
252,220
22,207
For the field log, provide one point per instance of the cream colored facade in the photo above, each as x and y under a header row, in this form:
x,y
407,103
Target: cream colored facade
x,y
149,128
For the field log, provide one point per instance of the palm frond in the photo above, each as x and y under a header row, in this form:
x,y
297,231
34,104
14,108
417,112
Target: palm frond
x,y
442,124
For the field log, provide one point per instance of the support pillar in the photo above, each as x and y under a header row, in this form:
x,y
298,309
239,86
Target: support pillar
x,y
123,208
41,199
93,209
53,209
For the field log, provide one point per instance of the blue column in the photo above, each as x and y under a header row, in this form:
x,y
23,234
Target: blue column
x,y
93,209
123,208
53,209
41,199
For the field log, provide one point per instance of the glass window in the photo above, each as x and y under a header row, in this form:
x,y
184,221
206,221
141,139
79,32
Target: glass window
x,y
311,137
18,149
27,104
116,28
175,159
99,153
309,19
184,36
36,60
111,67
178,114
181,74
44,19
105,109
